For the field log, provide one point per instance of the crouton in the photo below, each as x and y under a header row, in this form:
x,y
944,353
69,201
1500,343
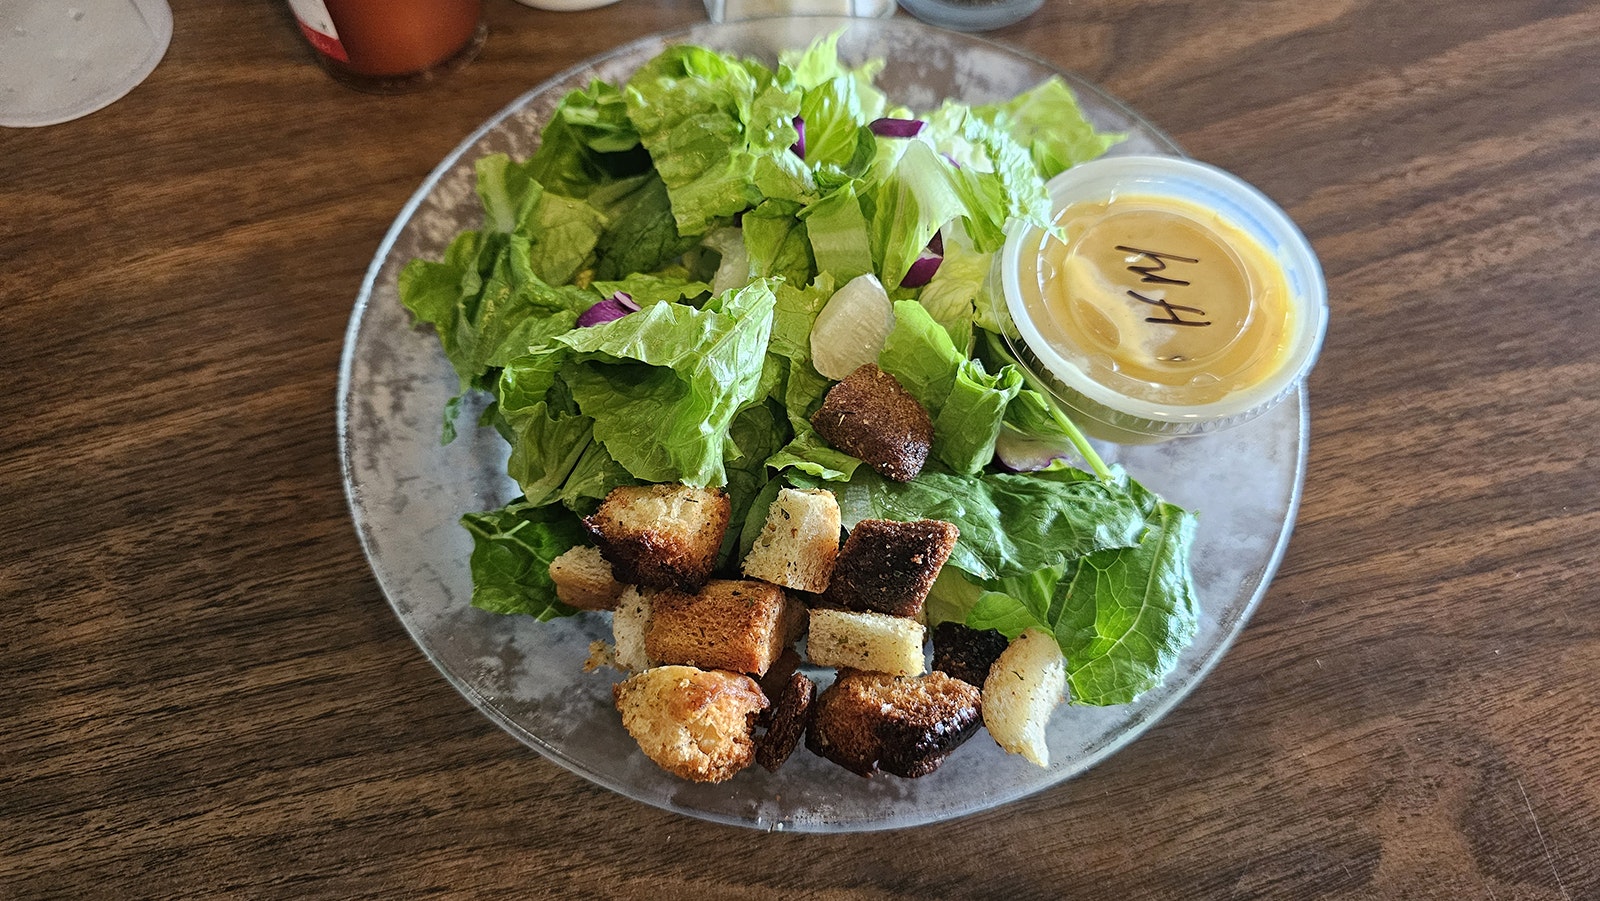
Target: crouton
x,y
661,536
866,641
867,722
777,675
1023,688
601,655
966,653
799,542
871,416
888,567
583,579
628,626
740,625
693,723
789,714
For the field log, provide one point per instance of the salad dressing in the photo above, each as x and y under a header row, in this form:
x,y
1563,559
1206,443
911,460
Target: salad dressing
x,y
1162,299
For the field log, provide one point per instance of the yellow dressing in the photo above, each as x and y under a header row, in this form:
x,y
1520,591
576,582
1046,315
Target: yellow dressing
x,y
1159,299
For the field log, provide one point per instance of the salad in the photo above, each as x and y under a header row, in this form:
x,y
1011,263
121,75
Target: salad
x,y
651,299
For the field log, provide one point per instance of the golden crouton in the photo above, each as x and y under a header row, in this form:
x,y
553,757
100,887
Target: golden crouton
x,y
888,566
661,536
871,416
1023,688
691,722
865,641
799,542
628,626
583,579
867,722
740,625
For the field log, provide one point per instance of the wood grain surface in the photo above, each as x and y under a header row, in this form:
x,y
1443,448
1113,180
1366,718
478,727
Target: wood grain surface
x,y
205,693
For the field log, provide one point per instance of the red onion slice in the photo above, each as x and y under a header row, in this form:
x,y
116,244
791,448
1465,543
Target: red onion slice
x,y
897,128
799,146
612,308
926,264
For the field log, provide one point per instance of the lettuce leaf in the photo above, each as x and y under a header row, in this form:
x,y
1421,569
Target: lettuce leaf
x,y
967,404
837,103
511,552
777,243
1011,524
802,388
1121,616
664,384
1049,123
588,142
707,119
641,235
916,193
837,230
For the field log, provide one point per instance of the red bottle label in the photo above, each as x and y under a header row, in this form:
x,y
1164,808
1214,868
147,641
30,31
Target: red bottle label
x,y
318,28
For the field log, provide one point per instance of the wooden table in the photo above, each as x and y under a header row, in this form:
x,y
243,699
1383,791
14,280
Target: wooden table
x,y
205,692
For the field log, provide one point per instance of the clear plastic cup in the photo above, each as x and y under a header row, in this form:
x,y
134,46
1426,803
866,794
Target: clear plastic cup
x,y
60,61
1118,380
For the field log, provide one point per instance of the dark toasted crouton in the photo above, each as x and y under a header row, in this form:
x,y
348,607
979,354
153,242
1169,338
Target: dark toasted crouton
x,y
583,579
777,675
871,416
740,625
966,653
867,722
661,536
691,722
888,567
789,715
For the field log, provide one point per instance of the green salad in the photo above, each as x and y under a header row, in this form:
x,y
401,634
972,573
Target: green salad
x,y
639,307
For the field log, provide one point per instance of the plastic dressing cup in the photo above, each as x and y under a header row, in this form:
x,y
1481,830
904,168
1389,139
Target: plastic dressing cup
x,y
1169,298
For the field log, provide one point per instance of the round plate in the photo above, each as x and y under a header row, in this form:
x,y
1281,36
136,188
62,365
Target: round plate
x,y
407,491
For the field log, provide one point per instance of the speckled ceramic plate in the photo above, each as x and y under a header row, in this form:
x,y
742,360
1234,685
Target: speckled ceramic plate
x,y
407,491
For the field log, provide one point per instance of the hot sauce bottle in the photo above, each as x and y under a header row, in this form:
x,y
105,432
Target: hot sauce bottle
x,y
391,46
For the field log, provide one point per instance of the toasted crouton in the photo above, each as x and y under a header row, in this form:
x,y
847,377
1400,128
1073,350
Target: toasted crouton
x,y
661,536
966,653
867,722
871,416
740,625
790,714
888,567
799,542
866,641
628,625
583,579
1023,688
691,722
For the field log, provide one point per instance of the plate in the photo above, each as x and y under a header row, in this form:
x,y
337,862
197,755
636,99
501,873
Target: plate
x,y
407,491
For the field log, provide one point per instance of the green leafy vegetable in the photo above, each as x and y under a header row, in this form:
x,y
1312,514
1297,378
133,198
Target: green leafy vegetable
x,y
663,384
1122,616
511,552
706,119
1011,523
681,190
1048,121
